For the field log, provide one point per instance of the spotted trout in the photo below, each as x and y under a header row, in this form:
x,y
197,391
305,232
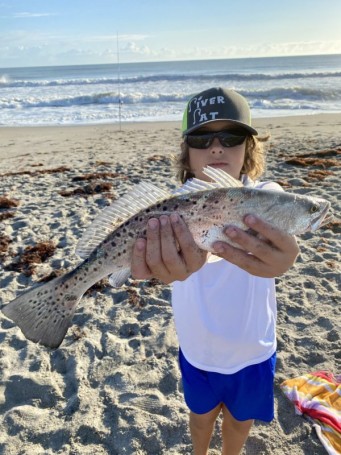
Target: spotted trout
x,y
44,313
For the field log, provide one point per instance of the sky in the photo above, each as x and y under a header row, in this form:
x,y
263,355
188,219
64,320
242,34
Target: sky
x,y
70,32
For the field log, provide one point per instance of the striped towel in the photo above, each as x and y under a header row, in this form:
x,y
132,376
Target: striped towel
x,y
318,396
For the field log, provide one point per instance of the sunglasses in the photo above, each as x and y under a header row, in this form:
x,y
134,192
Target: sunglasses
x,y
226,139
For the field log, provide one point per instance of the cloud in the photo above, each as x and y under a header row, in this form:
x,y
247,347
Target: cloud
x,y
251,50
25,15
20,48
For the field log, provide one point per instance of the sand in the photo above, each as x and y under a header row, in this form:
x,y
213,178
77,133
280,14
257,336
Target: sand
x,y
113,386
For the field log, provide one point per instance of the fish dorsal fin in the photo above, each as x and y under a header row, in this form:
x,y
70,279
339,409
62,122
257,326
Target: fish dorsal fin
x,y
220,177
194,185
139,198
220,180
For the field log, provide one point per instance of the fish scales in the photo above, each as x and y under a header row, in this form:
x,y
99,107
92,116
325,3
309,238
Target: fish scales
x,y
44,313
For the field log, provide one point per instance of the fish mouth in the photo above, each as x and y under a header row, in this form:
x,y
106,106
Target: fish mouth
x,y
321,219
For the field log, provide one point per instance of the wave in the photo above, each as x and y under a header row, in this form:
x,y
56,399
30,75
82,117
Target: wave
x,y
273,95
100,98
6,82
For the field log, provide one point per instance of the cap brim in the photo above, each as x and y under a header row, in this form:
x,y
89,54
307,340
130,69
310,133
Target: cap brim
x,y
248,128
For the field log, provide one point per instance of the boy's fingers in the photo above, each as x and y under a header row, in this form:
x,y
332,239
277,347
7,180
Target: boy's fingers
x,y
169,251
268,231
249,243
139,267
192,255
153,249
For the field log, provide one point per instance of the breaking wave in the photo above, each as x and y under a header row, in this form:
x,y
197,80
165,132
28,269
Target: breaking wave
x,y
5,81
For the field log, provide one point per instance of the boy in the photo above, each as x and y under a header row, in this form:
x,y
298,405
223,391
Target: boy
x,y
224,304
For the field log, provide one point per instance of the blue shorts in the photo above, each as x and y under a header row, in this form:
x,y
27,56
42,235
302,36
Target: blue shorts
x,y
247,394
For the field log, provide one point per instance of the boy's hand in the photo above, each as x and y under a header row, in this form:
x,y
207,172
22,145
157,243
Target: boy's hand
x,y
272,253
169,253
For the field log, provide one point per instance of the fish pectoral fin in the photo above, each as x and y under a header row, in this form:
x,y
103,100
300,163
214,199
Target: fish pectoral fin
x,y
118,278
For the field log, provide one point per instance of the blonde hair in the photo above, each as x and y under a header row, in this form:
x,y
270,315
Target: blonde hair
x,y
254,162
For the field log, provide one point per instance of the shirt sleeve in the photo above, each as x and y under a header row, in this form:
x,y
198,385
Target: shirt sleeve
x,y
269,186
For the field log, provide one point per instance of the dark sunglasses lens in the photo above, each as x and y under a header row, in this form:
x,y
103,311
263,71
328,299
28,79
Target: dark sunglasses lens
x,y
230,140
199,141
203,141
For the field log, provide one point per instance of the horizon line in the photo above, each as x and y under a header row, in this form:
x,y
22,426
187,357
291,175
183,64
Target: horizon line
x,y
173,61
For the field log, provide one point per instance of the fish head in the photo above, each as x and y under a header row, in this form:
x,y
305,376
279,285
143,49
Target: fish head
x,y
292,213
311,213
320,215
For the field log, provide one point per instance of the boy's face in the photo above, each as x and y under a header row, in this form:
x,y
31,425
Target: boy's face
x,y
229,159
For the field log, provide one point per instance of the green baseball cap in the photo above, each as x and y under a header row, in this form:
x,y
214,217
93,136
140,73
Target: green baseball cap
x,y
217,104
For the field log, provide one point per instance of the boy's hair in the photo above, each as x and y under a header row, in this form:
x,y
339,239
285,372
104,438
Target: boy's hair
x,y
254,162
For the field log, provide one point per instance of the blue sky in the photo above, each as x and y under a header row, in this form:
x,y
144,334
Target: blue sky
x,y
63,32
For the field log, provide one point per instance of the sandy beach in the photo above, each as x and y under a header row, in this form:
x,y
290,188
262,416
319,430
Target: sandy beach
x,y
113,386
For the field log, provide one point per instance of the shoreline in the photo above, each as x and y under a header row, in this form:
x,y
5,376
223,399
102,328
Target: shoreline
x,y
255,121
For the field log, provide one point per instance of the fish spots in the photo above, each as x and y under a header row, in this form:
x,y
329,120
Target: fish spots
x,y
165,208
205,234
113,244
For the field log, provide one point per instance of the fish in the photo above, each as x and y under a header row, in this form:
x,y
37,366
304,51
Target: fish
x,y
44,313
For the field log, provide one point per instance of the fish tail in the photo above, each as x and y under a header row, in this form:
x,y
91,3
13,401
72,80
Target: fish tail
x,y
44,313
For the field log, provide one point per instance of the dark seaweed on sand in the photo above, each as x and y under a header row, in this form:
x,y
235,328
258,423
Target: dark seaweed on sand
x,y
334,225
6,207
6,203
4,244
98,175
27,262
6,215
318,159
43,171
319,174
88,190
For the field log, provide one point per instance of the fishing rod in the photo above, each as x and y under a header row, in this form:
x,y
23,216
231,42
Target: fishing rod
x,y
118,82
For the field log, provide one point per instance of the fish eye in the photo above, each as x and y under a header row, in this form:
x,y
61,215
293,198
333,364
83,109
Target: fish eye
x,y
314,208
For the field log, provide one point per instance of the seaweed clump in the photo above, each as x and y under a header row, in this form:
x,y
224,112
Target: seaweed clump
x,y
27,262
88,190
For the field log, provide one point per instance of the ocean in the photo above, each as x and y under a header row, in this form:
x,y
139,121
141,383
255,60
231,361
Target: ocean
x,y
137,92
